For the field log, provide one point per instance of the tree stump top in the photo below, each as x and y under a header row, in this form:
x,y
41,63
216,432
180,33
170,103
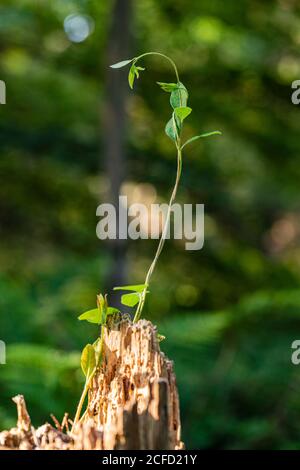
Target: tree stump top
x,y
132,403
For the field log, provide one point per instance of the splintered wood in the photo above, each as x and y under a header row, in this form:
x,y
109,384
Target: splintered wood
x,y
133,401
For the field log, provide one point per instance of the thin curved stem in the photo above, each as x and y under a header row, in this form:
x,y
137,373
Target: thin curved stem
x,y
161,55
82,399
88,382
162,238
172,198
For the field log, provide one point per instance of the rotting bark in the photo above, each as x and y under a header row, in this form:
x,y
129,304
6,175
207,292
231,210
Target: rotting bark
x,y
132,404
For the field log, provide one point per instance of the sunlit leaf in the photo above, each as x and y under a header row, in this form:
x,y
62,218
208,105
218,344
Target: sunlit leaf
x,y
130,300
131,76
88,360
135,288
92,316
182,112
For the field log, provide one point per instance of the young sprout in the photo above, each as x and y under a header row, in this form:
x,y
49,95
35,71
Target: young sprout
x,y
180,111
92,353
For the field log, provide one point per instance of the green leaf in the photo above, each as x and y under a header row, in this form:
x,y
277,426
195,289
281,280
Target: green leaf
x,y
118,65
182,112
130,300
137,71
112,310
201,136
92,316
88,360
131,76
135,288
173,127
179,96
133,72
168,87
169,129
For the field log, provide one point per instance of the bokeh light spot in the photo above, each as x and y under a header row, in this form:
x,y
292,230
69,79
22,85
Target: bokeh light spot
x,y
78,27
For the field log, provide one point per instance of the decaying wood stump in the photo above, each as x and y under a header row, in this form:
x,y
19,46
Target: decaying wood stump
x,y
133,401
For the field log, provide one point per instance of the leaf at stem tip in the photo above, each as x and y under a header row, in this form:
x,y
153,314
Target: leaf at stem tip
x,y
130,300
182,112
201,136
135,288
92,316
134,72
168,87
123,63
88,360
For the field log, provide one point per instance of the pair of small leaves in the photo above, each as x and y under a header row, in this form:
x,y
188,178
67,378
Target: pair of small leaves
x,y
174,125
134,71
94,315
133,298
99,315
90,358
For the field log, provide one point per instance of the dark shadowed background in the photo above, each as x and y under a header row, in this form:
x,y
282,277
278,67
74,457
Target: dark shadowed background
x,y
73,135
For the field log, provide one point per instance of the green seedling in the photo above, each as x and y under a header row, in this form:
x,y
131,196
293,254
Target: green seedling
x,y
135,295
180,111
91,356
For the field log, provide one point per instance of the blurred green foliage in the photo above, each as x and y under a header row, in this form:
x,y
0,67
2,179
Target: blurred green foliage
x,y
230,311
